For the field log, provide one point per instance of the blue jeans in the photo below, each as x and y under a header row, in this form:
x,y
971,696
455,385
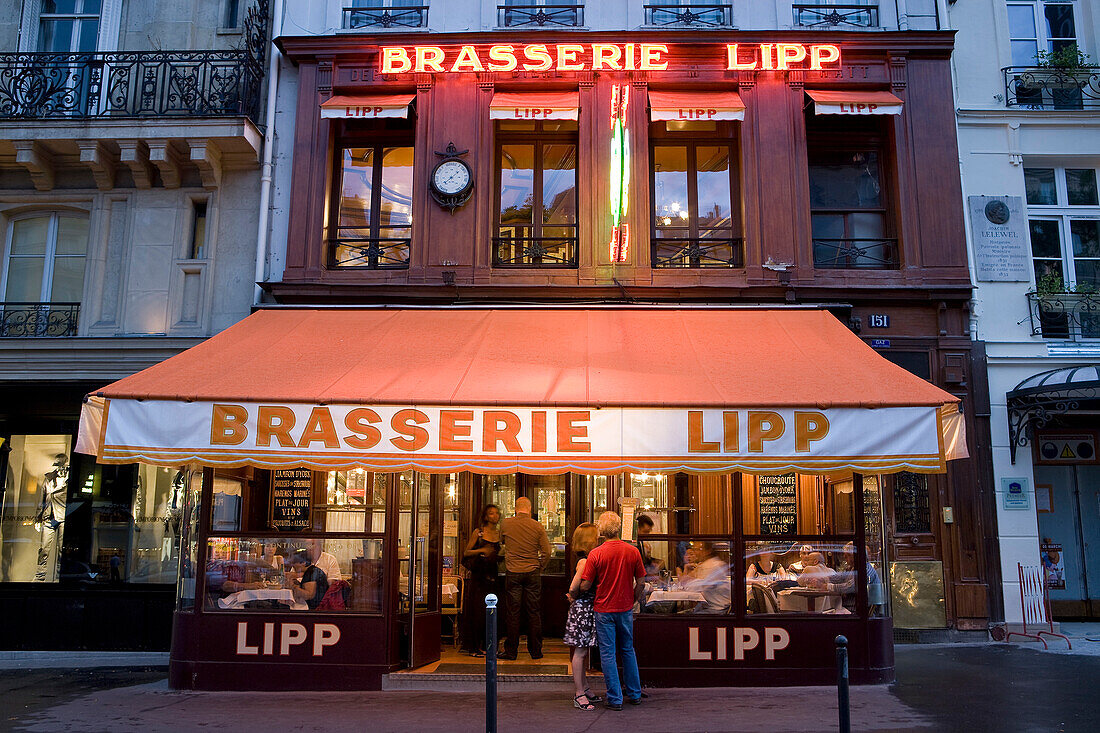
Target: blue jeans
x,y
615,631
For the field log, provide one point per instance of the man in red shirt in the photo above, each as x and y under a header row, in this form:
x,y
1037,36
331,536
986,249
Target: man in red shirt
x,y
615,568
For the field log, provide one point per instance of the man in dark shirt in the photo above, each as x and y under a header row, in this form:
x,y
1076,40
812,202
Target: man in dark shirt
x,y
312,585
526,553
615,567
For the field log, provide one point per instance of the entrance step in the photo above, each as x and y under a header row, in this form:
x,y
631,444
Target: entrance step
x,y
443,682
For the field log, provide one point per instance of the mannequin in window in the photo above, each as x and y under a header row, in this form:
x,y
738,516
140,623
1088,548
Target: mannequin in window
x,y
50,519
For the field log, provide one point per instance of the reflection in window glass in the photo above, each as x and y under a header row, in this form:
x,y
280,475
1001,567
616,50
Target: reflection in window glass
x,y
689,576
35,509
548,493
1046,253
1039,186
189,540
670,191
517,186
45,262
281,573
1085,234
1081,187
228,497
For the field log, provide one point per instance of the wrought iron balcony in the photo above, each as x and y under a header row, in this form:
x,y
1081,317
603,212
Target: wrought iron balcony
x,y
699,16
1067,316
676,253
127,85
18,320
552,16
829,16
542,252
370,253
1039,87
856,254
379,17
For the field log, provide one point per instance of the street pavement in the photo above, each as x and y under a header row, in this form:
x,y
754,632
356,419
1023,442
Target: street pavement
x,y
961,687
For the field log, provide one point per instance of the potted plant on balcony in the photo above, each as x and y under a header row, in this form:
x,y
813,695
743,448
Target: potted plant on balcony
x,y
1064,74
1063,309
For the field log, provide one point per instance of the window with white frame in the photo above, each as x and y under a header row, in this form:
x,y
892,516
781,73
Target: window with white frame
x,y
44,258
1040,25
69,25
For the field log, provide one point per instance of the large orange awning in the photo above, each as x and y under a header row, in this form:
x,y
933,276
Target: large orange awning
x,y
855,102
544,390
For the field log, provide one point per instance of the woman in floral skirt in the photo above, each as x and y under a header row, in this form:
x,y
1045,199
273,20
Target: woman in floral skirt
x,y
580,626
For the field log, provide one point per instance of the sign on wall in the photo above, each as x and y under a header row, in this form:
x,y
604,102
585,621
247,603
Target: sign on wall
x,y
1015,493
1054,565
291,494
1052,448
778,504
999,230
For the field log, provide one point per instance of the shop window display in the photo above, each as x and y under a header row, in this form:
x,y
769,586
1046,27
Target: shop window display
x,y
68,519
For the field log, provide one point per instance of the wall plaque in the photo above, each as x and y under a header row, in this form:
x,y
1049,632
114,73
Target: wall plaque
x,y
999,230
291,499
778,503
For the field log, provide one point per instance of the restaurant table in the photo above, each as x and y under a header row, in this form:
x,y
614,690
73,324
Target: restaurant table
x,y
673,601
810,594
238,599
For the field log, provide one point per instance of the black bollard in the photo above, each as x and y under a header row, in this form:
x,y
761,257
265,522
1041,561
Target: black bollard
x,y
842,684
490,663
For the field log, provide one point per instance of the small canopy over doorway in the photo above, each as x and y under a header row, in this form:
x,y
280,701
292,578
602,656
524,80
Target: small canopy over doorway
x,y
1035,401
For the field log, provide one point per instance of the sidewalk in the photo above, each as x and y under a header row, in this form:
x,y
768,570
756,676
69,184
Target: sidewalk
x,y
961,687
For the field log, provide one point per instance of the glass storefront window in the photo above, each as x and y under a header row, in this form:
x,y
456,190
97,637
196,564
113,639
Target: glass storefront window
x,y
452,515
355,501
548,496
64,518
687,576
791,504
300,574
806,577
189,540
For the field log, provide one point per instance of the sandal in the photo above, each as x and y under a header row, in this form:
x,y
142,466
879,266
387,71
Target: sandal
x,y
583,705
591,697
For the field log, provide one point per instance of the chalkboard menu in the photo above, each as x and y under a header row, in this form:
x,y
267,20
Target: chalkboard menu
x,y
778,504
291,498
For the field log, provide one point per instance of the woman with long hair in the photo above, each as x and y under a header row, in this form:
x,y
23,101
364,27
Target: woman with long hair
x,y
480,560
580,626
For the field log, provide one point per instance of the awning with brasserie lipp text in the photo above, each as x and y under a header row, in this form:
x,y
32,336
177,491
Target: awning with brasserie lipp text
x,y
855,102
537,390
367,106
695,106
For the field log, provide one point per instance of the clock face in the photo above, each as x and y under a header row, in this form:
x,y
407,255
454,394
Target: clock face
x,y
451,177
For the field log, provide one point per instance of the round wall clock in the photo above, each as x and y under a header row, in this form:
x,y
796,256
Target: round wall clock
x,y
452,180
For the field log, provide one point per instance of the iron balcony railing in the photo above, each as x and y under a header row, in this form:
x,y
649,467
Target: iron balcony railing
x,y
1067,316
702,15
856,254
371,253
124,84
555,16
38,319
404,16
675,253
1038,87
851,16
541,252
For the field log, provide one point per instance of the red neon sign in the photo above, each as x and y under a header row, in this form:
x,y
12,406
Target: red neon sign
x,y
595,57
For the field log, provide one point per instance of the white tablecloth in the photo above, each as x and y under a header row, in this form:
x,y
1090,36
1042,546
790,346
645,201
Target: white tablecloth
x,y
238,599
658,596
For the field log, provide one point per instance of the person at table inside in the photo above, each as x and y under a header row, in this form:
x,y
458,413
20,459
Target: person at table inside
x,y
765,569
844,581
326,561
306,581
814,570
710,575
795,568
651,564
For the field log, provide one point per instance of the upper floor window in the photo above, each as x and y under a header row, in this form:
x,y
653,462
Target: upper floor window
x,y
69,25
385,13
43,278
536,194
695,223
1064,229
849,205
695,13
539,14
836,13
1039,26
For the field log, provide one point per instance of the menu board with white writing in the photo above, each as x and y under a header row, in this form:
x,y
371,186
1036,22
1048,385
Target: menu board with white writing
x,y
778,503
291,496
